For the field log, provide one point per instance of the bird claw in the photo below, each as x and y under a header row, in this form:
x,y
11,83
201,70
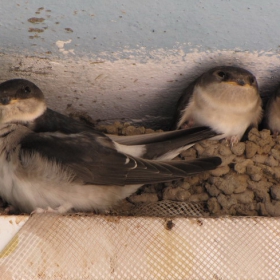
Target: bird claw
x,y
47,210
232,140
59,210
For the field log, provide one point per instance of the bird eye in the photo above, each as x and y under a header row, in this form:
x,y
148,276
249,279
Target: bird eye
x,y
221,74
251,80
27,90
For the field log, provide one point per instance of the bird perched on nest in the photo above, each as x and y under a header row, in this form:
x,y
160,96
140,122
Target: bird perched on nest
x,y
49,162
225,98
272,113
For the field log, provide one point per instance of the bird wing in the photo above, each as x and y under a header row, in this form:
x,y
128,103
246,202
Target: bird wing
x,y
93,159
52,121
163,144
190,136
166,145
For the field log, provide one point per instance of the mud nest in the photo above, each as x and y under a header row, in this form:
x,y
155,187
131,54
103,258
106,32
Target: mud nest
x,y
247,183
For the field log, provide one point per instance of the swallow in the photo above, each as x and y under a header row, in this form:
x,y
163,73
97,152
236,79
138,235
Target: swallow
x,y
225,98
49,162
272,113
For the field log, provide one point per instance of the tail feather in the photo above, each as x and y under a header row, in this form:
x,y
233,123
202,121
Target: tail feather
x,y
164,171
196,165
192,134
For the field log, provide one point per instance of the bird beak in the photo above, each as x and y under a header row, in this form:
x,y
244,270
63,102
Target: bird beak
x,y
7,100
239,82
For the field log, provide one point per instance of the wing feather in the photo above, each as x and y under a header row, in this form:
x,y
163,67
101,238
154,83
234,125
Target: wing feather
x,y
94,160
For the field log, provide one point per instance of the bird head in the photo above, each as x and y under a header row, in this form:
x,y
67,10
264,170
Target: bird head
x,y
229,83
234,75
20,101
230,75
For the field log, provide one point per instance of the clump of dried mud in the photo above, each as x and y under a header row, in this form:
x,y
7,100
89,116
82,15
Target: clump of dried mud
x,y
247,182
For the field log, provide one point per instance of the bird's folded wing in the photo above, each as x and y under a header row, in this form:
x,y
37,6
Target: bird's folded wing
x,y
190,135
94,160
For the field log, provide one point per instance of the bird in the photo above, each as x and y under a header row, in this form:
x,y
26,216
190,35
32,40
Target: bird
x,y
52,163
272,113
225,98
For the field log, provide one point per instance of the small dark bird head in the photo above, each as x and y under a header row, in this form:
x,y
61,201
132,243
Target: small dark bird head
x,y
20,100
231,75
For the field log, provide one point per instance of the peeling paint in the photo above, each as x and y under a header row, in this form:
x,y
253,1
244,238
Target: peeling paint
x,y
60,45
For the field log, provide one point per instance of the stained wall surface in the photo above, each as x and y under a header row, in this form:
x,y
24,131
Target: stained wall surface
x,y
128,59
